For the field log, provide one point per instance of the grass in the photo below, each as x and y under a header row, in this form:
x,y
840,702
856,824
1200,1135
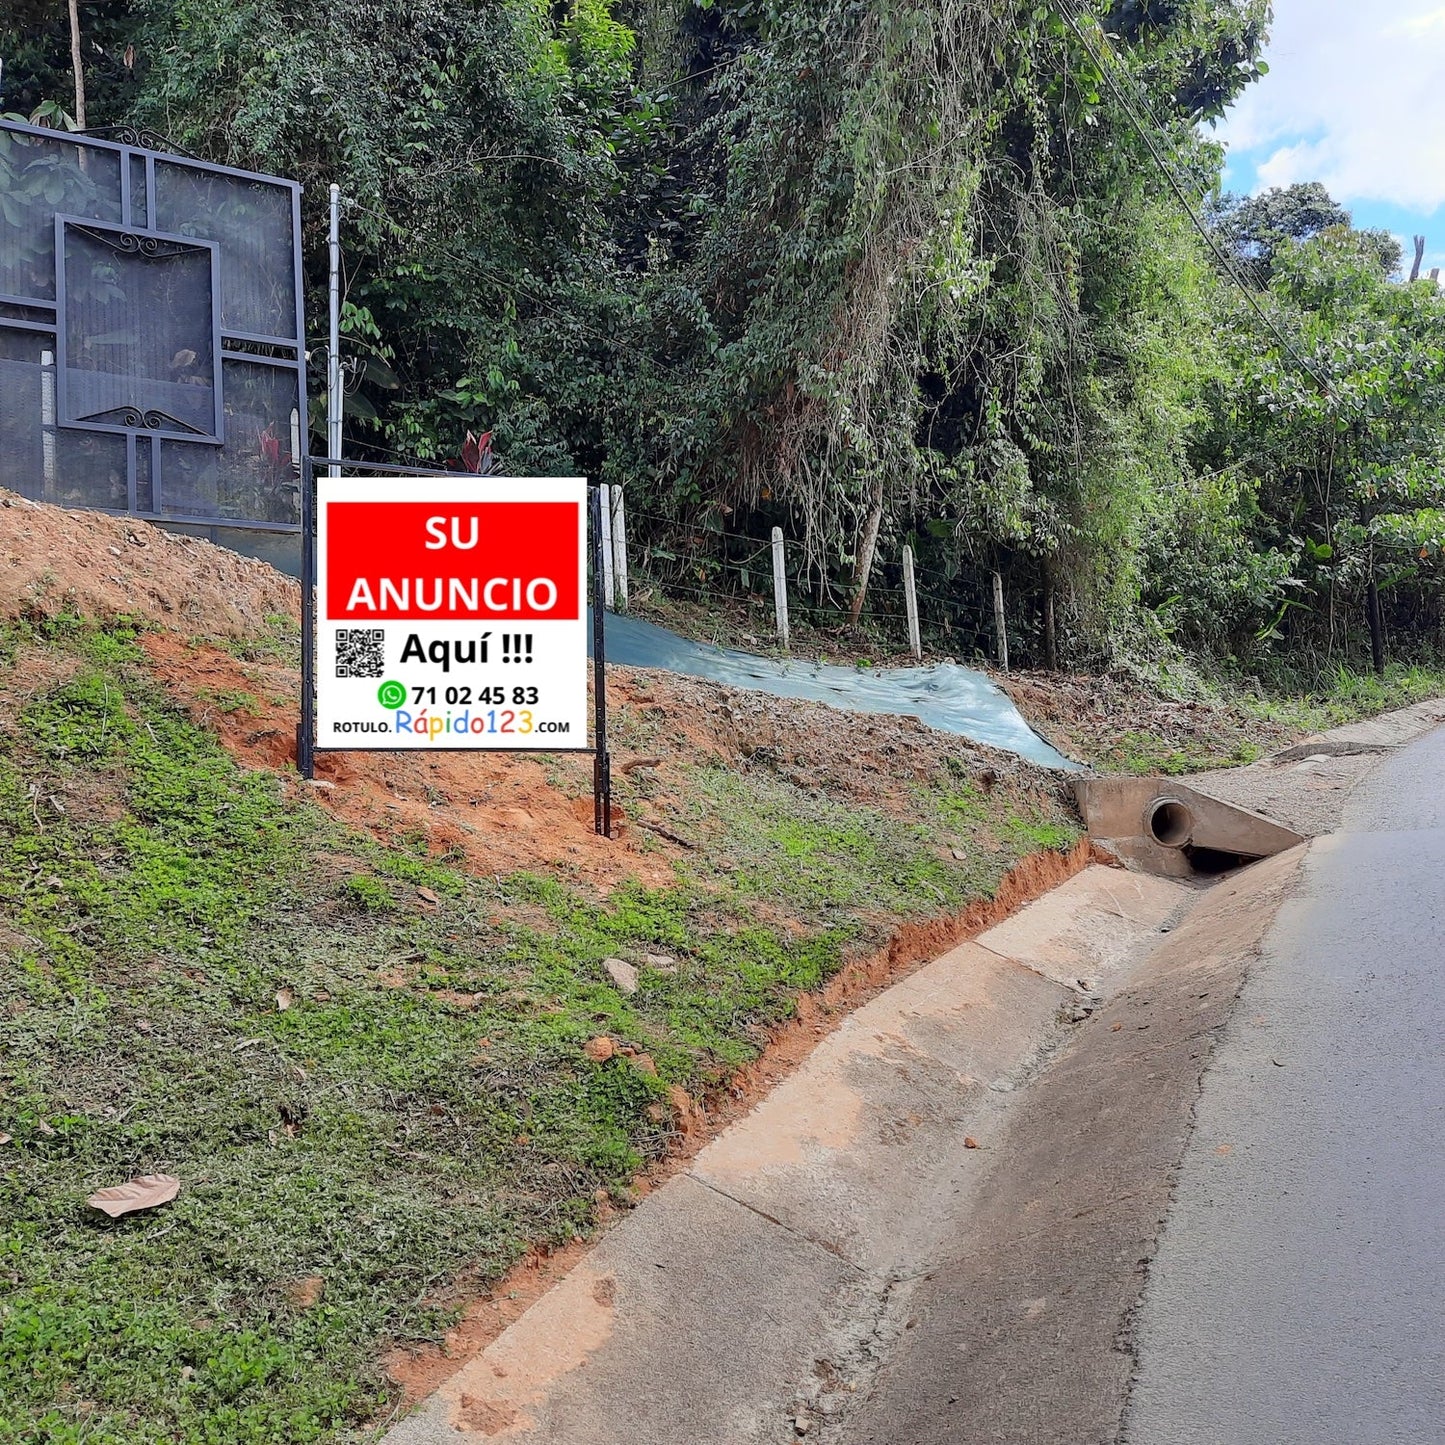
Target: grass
x,y
1254,717
1142,751
1341,695
201,973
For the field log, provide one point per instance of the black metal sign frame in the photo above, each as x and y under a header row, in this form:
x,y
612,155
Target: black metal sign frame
x,y
152,451
306,728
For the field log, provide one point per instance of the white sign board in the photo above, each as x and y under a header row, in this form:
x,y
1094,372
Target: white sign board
x,y
451,612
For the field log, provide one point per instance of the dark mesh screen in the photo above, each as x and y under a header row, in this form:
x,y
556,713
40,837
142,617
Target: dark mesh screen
x,y
41,178
90,470
50,464
281,549
139,214
21,461
253,222
253,477
139,349
144,496
128,420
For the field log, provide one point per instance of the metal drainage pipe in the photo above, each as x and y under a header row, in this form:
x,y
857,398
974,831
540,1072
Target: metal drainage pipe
x,y
1170,822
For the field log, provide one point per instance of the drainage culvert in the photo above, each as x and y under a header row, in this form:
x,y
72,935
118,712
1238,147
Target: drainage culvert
x,y
1170,823
1165,827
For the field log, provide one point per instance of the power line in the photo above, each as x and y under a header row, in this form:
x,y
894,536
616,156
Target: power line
x,y
1107,70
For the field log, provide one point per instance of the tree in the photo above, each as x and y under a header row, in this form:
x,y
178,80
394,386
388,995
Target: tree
x,y
67,63
77,65
1351,453
1252,228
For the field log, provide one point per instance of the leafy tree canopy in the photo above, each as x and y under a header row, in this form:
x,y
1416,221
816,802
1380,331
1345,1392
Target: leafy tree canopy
x,y
876,273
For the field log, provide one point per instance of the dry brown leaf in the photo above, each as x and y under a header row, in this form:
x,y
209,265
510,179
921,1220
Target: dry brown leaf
x,y
43,1125
284,999
5,1139
145,1192
427,894
970,1142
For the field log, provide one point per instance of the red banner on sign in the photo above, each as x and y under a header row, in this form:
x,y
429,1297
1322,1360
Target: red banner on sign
x,y
452,561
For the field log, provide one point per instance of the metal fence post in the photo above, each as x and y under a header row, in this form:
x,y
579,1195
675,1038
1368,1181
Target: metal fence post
x,y
333,345
619,549
601,758
780,586
604,507
306,726
47,423
1000,632
910,601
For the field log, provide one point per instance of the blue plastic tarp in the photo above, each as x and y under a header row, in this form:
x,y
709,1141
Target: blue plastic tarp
x,y
946,696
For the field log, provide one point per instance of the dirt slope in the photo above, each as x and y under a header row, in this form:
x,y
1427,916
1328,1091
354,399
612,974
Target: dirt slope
x,y
226,646
396,1030
54,561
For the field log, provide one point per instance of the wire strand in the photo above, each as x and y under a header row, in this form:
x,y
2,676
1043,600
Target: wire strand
x,y
1107,68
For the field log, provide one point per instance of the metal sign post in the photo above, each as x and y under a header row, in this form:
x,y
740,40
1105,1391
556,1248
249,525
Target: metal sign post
x,y
601,758
306,727
441,611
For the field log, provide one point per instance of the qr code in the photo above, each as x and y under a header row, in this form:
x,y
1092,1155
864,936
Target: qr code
x,y
359,652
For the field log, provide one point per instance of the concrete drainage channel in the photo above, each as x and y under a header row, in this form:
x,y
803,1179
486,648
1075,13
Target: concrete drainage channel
x,y
1168,828
758,1296
939,1227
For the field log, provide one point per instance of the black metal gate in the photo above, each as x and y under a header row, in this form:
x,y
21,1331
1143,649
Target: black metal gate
x,y
152,350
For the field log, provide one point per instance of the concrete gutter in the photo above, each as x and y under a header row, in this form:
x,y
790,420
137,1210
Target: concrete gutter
x,y
1026,1335
1161,824
1267,807
755,1293
1305,787
985,1151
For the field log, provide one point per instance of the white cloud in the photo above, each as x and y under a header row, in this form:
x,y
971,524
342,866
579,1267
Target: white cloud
x,y
1418,24
1354,99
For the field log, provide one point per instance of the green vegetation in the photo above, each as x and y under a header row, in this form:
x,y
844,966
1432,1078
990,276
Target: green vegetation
x,y
1228,723
358,1081
878,274
875,273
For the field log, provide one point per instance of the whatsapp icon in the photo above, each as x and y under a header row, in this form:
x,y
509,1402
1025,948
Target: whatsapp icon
x,y
391,694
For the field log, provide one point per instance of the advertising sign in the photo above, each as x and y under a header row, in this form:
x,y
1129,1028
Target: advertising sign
x,y
452,612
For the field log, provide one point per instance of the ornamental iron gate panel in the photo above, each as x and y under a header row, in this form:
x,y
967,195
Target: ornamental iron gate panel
x,y
152,351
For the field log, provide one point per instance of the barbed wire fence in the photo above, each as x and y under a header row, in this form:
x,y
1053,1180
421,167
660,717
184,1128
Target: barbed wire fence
x,y
672,558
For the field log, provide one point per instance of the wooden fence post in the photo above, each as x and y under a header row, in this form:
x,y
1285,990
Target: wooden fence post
x,y
910,601
619,549
1000,632
604,512
780,587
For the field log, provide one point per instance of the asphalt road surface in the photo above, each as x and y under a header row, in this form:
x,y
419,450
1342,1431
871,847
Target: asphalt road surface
x,y
1293,1284
1298,1295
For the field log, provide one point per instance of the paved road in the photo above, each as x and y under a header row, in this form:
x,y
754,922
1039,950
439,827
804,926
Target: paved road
x,y
1298,1295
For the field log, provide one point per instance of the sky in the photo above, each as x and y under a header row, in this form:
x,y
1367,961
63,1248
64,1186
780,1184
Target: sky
x,y
1355,97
